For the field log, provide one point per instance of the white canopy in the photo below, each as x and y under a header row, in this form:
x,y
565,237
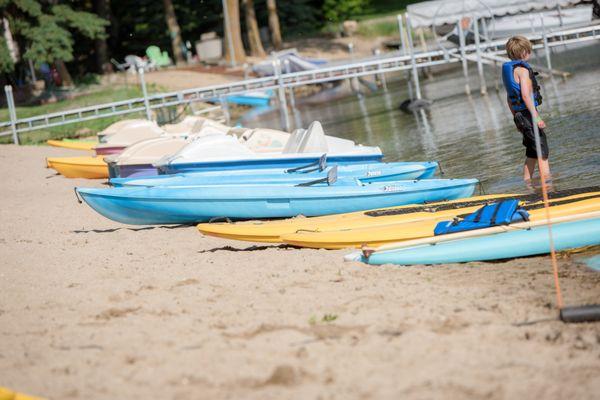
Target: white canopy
x,y
438,12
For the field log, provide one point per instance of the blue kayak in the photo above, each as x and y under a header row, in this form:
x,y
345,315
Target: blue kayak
x,y
509,244
374,172
190,204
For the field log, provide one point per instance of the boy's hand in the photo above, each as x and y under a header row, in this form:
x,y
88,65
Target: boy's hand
x,y
540,123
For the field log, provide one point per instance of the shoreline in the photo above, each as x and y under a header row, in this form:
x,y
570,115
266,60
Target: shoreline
x,y
91,308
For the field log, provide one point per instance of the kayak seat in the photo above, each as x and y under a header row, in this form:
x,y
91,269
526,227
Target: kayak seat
x,y
504,212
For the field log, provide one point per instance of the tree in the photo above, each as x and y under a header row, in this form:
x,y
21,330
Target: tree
x,y
174,31
256,47
340,10
233,35
43,29
274,24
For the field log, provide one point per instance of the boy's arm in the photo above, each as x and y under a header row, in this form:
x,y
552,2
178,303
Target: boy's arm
x,y
527,94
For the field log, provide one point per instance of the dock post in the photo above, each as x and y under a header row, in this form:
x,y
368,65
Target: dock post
x,y
286,64
413,62
463,56
285,117
12,112
401,30
479,63
225,109
546,47
145,93
381,76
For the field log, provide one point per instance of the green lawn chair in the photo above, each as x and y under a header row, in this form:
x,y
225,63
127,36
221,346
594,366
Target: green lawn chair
x,y
158,58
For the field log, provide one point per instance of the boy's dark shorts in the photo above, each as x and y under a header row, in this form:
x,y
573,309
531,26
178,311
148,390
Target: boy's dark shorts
x,y
524,125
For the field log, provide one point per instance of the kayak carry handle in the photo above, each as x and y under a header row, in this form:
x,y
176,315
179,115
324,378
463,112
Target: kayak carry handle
x,y
330,179
77,196
320,165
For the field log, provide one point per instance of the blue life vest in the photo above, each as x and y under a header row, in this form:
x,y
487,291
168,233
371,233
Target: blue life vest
x,y
513,89
501,213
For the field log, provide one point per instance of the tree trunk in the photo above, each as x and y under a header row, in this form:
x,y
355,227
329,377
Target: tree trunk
x,y
65,76
256,47
174,31
102,8
274,24
232,27
13,49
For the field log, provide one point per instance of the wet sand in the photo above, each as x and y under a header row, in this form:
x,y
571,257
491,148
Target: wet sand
x,y
91,308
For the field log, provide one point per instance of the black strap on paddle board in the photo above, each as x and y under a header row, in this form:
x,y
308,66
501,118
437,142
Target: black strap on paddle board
x,y
319,165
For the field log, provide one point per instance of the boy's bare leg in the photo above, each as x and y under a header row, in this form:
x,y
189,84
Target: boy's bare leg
x,y
545,170
529,169
545,175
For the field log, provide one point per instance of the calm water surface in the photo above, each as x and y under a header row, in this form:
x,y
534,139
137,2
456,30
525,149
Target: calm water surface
x,y
474,136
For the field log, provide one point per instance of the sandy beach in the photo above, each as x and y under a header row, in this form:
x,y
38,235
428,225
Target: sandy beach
x,y
93,309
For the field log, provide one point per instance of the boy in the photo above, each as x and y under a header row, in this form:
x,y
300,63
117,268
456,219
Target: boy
x,y
523,96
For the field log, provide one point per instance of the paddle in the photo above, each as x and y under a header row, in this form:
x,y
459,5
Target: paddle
x,y
320,165
330,179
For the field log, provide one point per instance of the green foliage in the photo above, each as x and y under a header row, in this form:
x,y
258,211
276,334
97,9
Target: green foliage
x,y
313,320
6,62
57,43
46,31
337,11
86,23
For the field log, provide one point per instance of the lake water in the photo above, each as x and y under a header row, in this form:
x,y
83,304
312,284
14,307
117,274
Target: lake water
x,y
474,136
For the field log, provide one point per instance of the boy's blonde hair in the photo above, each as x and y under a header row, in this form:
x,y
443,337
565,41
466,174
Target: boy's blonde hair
x,y
517,47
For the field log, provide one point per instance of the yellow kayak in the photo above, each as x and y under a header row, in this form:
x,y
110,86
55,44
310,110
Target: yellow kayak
x,y
271,231
7,394
79,167
396,232
75,144
364,227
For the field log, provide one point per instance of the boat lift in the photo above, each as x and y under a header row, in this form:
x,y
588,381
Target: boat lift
x,y
407,60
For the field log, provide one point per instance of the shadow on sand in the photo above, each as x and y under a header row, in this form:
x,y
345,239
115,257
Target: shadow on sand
x,y
145,228
251,248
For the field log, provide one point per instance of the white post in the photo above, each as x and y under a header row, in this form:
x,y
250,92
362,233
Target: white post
x,y
463,56
401,30
286,64
380,76
12,112
285,117
479,62
546,48
145,93
228,33
413,62
225,109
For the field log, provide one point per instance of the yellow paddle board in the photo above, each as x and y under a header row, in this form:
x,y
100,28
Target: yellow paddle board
x,y
378,235
271,231
338,231
75,145
79,167
7,394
